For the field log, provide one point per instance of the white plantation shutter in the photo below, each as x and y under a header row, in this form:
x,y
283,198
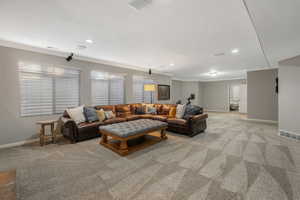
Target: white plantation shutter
x,y
138,89
36,94
116,91
47,90
107,89
66,93
140,95
100,92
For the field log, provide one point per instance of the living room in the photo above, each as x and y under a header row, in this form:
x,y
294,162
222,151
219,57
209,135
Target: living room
x,y
129,100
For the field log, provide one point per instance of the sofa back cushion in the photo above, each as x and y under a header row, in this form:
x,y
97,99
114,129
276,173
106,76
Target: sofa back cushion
x,y
134,107
165,109
123,110
106,108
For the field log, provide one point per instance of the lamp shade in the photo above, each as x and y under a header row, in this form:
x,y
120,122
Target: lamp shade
x,y
149,87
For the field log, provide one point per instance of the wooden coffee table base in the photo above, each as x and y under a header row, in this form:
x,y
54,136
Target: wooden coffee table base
x,y
123,147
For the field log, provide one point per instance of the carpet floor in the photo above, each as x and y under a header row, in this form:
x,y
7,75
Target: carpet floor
x,y
234,159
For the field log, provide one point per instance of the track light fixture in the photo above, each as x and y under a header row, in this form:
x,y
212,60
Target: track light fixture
x,y
70,57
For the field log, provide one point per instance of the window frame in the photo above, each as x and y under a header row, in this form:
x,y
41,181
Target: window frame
x,y
53,77
108,79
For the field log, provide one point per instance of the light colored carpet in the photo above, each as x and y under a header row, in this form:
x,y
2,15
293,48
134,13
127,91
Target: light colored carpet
x,y
233,159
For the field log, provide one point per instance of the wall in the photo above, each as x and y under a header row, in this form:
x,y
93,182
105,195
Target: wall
x,y
189,88
14,128
262,100
216,94
176,91
289,95
183,89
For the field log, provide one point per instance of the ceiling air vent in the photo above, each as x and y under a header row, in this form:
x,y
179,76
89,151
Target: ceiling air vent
x,y
139,4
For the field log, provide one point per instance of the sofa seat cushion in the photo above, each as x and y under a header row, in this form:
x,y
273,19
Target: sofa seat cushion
x,y
162,118
88,124
133,117
174,121
145,116
114,120
123,114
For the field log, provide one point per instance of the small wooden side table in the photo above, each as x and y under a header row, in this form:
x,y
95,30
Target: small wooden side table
x,y
43,135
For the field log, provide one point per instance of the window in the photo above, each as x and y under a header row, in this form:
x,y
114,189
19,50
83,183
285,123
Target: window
x,y
107,89
47,90
140,95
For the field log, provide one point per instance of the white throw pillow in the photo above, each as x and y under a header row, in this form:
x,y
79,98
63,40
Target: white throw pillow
x,y
109,114
180,110
76,114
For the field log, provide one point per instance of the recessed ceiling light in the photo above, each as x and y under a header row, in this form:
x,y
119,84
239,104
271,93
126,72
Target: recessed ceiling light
x,y
89,41
213,73
235,51
172,64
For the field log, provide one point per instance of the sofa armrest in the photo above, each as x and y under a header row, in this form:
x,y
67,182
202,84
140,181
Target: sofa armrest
x,y
197,123
69,128
199,117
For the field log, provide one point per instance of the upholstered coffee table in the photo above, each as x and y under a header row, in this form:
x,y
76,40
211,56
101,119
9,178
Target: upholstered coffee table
x,y
118,137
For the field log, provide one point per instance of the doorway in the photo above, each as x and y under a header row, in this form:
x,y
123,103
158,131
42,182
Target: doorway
x,y
234,97
238,98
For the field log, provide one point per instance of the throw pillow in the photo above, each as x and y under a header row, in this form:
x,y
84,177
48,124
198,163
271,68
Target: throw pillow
x,y
172,112
139,110
76,114
101,115
144,106
180,110
192,110
90,114
151,110
109,114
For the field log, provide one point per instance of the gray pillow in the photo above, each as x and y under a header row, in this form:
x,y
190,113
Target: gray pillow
x,y
191,110
90,114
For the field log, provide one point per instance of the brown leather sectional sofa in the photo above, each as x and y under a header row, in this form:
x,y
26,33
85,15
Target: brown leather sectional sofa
x,y
191,126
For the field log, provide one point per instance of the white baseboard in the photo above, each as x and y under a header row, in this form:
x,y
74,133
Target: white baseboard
x,y
261,120
15,144
219,111
289,134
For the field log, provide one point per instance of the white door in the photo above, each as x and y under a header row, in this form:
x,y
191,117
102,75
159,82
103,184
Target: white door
x,y
243,98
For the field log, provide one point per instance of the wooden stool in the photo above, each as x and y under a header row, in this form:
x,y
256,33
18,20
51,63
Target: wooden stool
x,y
43,136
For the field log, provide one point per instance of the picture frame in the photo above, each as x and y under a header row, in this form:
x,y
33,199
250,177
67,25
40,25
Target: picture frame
x,y
163,92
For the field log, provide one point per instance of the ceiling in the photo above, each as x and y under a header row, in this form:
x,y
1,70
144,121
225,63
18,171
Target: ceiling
x,y
197,36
